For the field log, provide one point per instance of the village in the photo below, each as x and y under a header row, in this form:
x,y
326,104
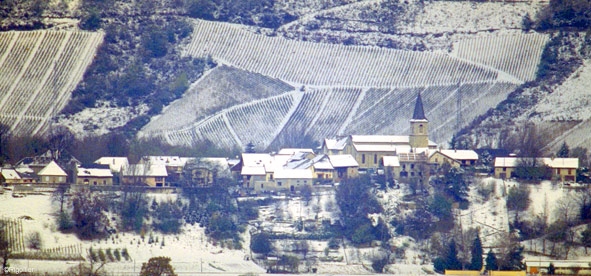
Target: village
x,y
307,183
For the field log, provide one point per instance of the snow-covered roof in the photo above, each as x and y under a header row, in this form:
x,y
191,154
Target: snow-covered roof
x,y
170,161
143,170
322,162
461,154
412,157
10,174
376,148
556,163
508,162
115,163
335,144
253,171
52,169
292,151
255,159
343,160
93,172
293,174
391,161
219,163
562,163
388,139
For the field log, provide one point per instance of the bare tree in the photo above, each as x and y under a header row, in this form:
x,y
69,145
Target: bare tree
x,y
60,195
5,250
60,139
88,213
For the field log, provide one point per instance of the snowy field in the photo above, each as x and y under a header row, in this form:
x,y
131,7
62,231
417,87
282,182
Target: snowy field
x,y
189,251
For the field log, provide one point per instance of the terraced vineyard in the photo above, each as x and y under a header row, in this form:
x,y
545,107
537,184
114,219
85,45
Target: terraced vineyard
x,y
517,54
38,71
321,113
328,64
341,89
221,88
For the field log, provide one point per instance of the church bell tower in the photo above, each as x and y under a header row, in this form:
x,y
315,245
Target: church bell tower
x,y
419,126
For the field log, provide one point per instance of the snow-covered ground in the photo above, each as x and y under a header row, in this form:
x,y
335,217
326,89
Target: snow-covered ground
x,y
189,251
101,119
569,101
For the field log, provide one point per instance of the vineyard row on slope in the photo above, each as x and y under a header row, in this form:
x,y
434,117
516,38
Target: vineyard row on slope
x,y
38,71
320,64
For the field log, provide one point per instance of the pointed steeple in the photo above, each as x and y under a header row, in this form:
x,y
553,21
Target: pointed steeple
x,y
419,113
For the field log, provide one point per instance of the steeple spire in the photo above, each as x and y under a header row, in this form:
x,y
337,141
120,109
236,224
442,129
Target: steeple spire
x,y
419,113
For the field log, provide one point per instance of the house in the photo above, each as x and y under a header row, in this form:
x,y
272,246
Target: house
x,y
438,159
255,168
344,166
203,171
455,158
10,176
293,169
36,163
115,163
289,179
334,146
174,165
153,175
52,174
564,169
94,176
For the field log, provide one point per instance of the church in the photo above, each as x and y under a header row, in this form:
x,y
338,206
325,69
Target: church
x,y
401,156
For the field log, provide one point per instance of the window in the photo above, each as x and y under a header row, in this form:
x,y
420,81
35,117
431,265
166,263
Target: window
x,y
421,128
104,182
261,185
404,166
412,166
94,183
570,171
278,184
375,158
363,158
412,174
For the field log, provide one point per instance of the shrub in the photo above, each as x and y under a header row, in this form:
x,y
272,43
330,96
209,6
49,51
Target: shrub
x,y
34,240
378,264
260,243
117,254
101,255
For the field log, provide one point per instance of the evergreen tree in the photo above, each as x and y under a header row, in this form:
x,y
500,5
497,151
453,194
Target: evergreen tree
x,y
551,269
564,151
249,148
491,261
586,238
513,259
451,261
477,252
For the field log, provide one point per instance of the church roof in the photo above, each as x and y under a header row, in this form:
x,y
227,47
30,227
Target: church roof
x,y
419,113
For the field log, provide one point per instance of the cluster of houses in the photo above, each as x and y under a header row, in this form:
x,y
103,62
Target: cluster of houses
x,y
154,171
403,158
